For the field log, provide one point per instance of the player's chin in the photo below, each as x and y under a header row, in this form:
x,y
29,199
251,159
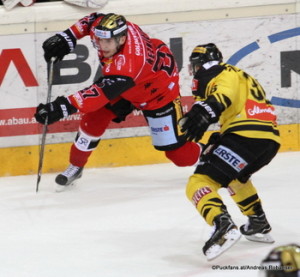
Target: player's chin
x,y
106,55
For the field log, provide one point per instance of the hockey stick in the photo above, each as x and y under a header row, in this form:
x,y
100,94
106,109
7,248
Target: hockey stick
x,y
45,127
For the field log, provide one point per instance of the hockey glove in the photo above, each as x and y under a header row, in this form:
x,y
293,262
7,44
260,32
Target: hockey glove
x,y
54,111
59,45
195,122
121,109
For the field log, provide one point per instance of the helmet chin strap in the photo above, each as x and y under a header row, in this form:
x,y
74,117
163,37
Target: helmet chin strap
x,y
195,68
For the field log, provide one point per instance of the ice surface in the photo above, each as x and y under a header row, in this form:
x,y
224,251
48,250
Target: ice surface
x,y
133,222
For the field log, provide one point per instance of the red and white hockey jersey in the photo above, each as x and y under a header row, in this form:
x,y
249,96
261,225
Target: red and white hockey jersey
x,y
143,71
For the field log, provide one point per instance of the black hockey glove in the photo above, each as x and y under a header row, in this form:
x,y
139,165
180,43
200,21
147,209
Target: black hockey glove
x,y
121,109
59,45
54,111
195,122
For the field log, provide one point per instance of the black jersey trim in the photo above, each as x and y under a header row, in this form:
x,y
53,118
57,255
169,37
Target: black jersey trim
x,y
262,128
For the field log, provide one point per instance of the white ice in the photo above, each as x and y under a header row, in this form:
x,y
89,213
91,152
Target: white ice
x,y
133,222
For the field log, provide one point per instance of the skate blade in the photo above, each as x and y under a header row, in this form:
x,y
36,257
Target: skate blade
x,y
264,238
216,250
61,188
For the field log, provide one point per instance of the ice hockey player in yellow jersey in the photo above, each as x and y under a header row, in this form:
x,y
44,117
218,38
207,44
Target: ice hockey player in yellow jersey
x,y
248,140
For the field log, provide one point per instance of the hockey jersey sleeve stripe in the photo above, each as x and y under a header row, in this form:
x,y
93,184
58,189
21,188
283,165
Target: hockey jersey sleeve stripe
x,y
114,85
223,99
249,127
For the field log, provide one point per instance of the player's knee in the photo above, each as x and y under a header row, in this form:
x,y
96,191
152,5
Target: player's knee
x,y
186,155
85,142
175,157
198,186
95,123
202,191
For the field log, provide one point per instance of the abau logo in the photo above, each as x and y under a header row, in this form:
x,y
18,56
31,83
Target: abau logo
x,y
289,62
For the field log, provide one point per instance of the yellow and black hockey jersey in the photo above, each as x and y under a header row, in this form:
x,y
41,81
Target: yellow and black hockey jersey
x,y
246,112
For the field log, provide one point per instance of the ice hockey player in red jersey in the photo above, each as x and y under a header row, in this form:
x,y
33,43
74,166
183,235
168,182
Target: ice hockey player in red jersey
x,y
138,72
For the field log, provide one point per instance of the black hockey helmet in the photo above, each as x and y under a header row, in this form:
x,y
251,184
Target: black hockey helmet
x,y
111,25
282,261
204,53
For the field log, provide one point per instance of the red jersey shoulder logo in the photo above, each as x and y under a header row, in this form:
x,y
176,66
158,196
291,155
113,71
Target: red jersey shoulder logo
x,y
120,61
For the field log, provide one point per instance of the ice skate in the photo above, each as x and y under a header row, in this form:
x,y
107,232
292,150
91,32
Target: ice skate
x,y
257,229
225,235
67,178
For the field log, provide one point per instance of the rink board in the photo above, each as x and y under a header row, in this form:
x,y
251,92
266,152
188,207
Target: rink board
x,y
110,153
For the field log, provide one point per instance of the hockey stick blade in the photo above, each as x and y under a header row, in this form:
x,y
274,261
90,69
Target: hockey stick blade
x,y
45,127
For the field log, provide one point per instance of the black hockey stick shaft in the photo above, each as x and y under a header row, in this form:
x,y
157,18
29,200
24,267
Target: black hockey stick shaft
x,y
45,126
